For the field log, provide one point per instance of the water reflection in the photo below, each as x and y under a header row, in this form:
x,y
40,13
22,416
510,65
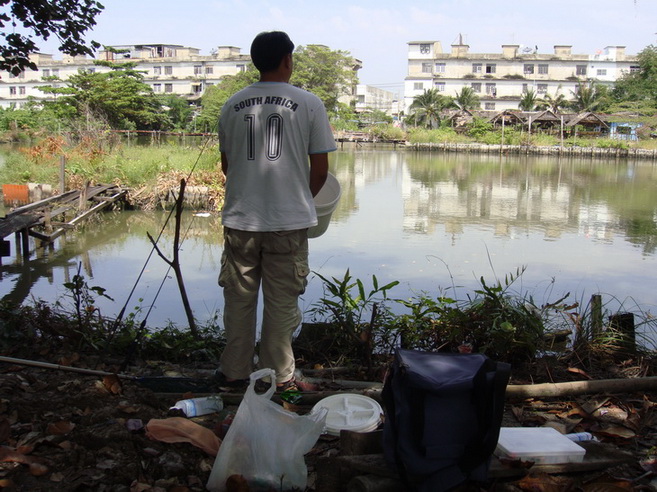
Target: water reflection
x,y
433,221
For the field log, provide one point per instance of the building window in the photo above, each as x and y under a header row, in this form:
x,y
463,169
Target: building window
x,y
635,68
525,88
157,87
490,67
489,106
19,76
197,88
440,86
476,68
418,86
198,69
491,90
580,69
425,49
157,70
55,72
426,68
528,68
168,87
543,68
541,88
46,72
168,70
241,68
602,72
21,90
440,68
12,91
209,70
476,87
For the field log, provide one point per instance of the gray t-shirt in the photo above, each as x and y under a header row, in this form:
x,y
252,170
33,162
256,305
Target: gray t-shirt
x,y
267,131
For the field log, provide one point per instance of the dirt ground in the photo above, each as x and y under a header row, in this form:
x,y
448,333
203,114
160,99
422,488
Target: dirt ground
x,y
62,430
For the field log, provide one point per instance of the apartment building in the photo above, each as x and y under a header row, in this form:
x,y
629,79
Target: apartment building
x,y
167,68
370,98
500,79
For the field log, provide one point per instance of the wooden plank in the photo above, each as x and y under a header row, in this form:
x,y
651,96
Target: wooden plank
x,y
42,203
14,223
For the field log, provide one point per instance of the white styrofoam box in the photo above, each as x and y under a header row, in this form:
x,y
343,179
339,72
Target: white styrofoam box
x,y
542,445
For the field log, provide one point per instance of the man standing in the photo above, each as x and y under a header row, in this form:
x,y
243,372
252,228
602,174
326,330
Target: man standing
x,y
274,140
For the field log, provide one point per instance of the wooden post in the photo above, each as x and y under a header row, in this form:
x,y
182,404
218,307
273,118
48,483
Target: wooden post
x,y
596,315
62,174
83,196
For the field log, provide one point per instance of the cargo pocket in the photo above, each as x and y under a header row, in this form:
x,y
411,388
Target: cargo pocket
x,y
302,271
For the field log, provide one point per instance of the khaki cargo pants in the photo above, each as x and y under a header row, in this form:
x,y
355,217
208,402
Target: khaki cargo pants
x,y
279,262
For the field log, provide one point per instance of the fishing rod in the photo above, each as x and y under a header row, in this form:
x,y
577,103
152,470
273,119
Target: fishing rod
x,y
153,249
164,384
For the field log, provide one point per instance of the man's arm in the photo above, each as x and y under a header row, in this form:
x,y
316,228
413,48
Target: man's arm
x,y
224,163
319,165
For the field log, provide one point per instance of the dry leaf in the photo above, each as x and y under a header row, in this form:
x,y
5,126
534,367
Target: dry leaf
x,y
616,431
113,384
69,360
60,428
542,482
38,469
577,370
57,477
139,487
607,483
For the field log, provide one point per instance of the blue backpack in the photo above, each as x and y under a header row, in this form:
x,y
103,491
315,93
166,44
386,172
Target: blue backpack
x,y
443,414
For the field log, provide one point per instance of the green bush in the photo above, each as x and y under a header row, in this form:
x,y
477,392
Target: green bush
x,y
388,132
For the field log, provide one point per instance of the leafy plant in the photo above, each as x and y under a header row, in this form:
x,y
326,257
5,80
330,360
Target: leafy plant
x,y
345,309
87,315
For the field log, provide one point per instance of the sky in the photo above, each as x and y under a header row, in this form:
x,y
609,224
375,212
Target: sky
x,y
377,32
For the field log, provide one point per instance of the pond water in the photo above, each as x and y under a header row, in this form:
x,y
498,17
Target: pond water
x,y
435,222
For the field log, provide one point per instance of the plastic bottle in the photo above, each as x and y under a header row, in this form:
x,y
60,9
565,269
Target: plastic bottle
x,y
580,436
194,407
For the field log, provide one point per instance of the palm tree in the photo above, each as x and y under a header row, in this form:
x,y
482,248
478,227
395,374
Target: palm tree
x,y
587,97
528,101
554,104
467,99
427,107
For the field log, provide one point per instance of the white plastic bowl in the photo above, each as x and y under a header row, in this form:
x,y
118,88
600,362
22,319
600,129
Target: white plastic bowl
x,y
326,202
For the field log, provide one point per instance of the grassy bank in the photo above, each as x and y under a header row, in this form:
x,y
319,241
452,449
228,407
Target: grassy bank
x,y
148,171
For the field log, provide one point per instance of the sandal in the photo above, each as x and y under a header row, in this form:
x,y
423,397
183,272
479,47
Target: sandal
x,y
229,385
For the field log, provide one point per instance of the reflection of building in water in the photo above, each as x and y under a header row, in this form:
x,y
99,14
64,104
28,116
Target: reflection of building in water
x,y
506,206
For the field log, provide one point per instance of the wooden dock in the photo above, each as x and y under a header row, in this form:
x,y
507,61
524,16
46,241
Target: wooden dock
x,y
48,219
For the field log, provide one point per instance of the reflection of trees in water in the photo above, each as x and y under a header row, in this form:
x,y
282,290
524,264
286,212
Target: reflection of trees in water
x,y
642,231
106,234
554,192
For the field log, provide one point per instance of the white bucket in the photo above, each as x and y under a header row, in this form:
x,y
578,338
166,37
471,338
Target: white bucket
x,y
347,411
325,203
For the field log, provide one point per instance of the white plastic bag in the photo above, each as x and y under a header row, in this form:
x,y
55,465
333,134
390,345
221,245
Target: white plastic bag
x,y
266,443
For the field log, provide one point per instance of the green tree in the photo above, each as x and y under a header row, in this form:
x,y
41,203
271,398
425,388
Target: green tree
x,y
588,97
327,73
68,20
528,101
216,96
639,89
467,99
120,97
426,108
178,110
554,103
